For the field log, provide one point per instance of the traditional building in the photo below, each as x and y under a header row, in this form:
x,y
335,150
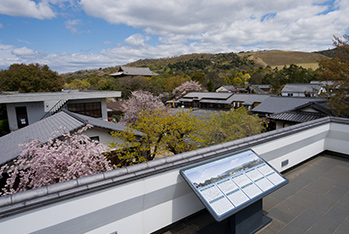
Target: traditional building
x,y
133,71
50,127
301,90
281,112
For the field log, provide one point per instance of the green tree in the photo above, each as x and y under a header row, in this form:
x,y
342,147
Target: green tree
x,y
336,70
30,78
199,77
162,133
79,85
226,126
210,86
173,82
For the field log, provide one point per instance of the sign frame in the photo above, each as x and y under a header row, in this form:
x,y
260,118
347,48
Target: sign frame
x,y
232,189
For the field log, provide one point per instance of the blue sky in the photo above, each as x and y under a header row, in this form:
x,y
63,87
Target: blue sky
x,y
71,35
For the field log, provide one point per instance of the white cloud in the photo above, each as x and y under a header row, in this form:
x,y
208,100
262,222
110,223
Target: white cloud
x,y
182,26
27,8
136,40
23,41
73,25
23,52
228,23
1,26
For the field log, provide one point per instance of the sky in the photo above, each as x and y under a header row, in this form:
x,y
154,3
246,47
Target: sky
x,y
71,35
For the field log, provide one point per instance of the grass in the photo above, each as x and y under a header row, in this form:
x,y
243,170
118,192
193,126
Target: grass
x,y
278,58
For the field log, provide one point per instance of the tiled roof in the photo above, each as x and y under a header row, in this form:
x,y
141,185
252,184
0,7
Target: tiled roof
x,y
297,116
229,87
249,99
134,71
291,88
277,104
206,95
43,129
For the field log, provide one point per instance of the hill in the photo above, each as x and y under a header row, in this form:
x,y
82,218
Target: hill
x,y
278,58
222,63
191,63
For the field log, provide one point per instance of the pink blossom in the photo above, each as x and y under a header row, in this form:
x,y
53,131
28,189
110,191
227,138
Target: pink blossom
x,y
138,102
186,87
69,157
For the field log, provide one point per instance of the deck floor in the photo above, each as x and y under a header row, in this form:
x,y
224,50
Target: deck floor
x,y
316,200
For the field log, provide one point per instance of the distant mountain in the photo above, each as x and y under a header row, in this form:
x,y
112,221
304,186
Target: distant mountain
x,y
328,53
219,63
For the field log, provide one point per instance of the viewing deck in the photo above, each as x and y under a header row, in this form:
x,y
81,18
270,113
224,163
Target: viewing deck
x,y
316,200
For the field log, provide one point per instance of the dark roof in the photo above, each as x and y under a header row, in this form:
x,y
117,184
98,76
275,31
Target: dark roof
x,y
43,129
297,116
277,104
206,95
249,99
229,87
259,88
301,88
134,71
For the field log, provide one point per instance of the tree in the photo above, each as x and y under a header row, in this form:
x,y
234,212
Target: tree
x,y
186,87
79,84
215,79
173,82
138,102
127,85
227,126
30,78
336,70
70,157
162,133
199,77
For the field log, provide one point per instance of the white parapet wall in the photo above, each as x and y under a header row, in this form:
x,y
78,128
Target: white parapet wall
x,y
147,197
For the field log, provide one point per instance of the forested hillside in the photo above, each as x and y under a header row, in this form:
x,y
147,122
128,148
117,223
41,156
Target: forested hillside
x,y
210,70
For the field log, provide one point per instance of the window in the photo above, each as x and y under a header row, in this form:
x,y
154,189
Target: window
x,y
95,138
92,109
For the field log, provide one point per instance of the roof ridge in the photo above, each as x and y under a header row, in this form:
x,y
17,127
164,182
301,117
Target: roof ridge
x,y
75,116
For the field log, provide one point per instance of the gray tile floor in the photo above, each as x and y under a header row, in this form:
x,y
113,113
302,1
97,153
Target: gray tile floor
x,y
316,200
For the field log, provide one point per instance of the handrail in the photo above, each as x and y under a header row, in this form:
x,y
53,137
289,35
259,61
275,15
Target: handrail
x,y
58,106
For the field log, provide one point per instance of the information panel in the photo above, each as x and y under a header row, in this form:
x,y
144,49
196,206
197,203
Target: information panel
x,y
232,182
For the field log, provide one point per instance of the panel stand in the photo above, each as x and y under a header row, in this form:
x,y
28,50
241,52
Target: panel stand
x,y
247,220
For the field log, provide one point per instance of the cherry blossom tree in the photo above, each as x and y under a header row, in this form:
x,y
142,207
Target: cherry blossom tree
x,y
186,87
69,157
138,102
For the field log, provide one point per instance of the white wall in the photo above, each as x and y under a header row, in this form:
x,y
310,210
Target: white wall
x,y
35,111
104,136
150,203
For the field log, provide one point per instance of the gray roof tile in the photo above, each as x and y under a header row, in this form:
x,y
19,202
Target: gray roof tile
x,y
90,179
301,88
277,104
134,71
43,129
115,173
298,117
